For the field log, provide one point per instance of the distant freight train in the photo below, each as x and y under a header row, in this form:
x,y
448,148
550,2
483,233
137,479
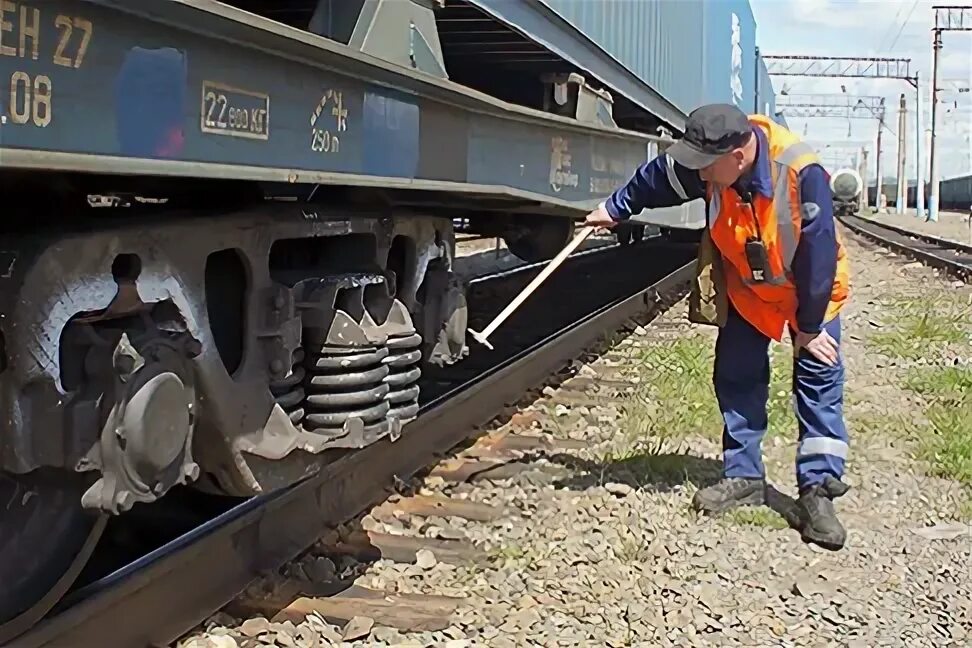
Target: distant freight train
x,y
955,194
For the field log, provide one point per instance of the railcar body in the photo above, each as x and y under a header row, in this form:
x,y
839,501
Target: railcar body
x,y
955,193
228,234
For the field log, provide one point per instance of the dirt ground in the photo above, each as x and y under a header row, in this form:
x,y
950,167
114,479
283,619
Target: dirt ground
x,y
600,547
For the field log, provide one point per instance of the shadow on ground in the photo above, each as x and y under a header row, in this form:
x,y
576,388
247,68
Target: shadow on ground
x,y
660,473
655,472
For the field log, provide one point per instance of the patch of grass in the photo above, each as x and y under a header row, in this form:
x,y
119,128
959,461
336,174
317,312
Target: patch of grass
x,y
924,325
779,408
945,442
949,446
759,516
877,424
630,548
674,398
938,383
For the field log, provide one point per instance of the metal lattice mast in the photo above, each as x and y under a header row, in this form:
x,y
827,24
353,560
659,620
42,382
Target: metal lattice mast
x,y
849,67
947,18
865,102
834,106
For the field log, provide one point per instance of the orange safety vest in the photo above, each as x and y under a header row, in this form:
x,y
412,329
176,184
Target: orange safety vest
x,y
771,304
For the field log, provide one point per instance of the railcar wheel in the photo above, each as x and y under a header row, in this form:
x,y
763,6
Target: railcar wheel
x,y
539,238
46,538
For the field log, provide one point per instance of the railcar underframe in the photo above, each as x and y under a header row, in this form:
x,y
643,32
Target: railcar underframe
x,y
228,242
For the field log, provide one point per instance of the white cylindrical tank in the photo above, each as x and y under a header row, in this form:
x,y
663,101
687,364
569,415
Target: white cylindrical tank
x,y
846,184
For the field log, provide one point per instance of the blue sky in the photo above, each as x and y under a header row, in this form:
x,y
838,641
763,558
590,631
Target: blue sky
x,y
886,28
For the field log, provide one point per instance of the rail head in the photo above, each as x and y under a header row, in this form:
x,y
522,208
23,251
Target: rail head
x,y
944,254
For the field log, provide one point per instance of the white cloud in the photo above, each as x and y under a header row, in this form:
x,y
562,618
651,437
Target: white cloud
x,y
867,28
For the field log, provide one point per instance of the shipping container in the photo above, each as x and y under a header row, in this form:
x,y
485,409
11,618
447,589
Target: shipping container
x,y
956,193
690,51
657,40
728,39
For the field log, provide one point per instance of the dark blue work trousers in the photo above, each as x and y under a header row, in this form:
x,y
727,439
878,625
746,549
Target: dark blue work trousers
x,y
741,378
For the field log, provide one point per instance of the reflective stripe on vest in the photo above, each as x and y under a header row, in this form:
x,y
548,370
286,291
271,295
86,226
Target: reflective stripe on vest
x,y
786,229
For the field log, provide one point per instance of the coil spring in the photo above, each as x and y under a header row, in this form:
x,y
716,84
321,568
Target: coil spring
x,y
347,383
289,392
405,352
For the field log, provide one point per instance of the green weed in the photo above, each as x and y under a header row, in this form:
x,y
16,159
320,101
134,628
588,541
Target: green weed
x,y
509,554
779,408
924,326
945,442
949,446
674,398
939,383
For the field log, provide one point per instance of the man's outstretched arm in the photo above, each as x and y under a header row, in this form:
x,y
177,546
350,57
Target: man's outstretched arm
x,y
660,182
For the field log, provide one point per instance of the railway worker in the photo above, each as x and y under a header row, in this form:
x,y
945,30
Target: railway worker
x,y
770,259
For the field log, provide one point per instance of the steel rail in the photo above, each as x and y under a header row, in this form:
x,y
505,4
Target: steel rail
x,y
163,595
951,256
928,238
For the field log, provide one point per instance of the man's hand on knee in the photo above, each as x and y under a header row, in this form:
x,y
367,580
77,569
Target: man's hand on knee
x,y
820,345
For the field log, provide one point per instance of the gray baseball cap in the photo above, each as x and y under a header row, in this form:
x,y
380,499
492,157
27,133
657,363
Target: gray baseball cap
x,y
711,131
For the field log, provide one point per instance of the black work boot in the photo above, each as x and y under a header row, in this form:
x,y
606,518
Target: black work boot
x,y
819,521
730,493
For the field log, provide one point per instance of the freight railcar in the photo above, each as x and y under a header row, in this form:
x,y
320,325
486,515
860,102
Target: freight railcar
x,y
956,193
227,236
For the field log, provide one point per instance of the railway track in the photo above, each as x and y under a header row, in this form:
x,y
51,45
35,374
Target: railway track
x,y
415,585
157,597
952,256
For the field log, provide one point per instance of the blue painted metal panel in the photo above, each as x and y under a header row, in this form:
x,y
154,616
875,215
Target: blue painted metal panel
x,y
597,35
391,127
661,42
150,89
134,87
690,51
729,57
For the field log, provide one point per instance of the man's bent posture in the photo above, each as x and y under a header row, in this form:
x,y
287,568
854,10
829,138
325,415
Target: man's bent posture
x,y
779,264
